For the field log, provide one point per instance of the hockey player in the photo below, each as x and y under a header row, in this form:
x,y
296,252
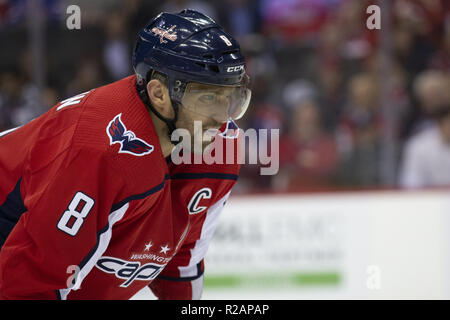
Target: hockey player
x,y
91,205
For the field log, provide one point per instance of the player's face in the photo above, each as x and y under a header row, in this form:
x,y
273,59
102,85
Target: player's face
x,y
187,119
211,102
211,105
219,102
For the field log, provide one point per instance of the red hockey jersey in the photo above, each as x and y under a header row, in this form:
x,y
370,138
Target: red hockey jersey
x,y
90,208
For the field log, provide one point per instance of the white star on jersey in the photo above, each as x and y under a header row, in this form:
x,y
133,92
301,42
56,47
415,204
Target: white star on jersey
x,y
148,246
164,249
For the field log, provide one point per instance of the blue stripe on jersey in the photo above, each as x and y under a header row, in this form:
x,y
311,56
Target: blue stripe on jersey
x,y
141,195
10,212
91,253
89,256
205,175
178,279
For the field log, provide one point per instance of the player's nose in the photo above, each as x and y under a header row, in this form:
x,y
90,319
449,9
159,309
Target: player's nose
x,y
216,124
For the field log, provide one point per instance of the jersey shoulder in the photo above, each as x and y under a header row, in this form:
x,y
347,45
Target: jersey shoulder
x,y
113,121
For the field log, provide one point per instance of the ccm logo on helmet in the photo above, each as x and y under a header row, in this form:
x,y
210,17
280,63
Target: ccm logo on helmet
x,y
193,207
235,69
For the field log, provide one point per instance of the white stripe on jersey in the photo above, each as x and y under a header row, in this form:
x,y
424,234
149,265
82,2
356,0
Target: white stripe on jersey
x,y
104,240
202,244
8,131
197,288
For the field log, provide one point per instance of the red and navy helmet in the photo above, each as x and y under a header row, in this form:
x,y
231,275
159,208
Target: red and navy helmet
x,y
187,47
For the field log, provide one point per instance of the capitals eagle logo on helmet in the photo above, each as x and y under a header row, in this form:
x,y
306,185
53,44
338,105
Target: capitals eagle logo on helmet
x,y
127,139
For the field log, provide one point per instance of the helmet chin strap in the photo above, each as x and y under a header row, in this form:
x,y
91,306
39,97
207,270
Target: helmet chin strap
x,y
170,123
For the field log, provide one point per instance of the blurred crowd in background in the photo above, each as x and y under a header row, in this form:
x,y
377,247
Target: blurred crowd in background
x,y
315,70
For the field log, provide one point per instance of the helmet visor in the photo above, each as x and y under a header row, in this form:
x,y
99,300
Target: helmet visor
x,y
219,102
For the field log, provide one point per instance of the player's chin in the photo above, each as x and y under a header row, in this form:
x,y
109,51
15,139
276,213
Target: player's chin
x,y
200,147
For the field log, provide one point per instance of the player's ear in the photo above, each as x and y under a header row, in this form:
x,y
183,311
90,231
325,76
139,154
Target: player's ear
x,y
160,98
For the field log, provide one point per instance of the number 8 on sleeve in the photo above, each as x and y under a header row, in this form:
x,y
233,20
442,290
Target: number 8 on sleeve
x,y
76,211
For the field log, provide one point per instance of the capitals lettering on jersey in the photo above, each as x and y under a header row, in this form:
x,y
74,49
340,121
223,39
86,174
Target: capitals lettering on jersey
x,y
72,101
151,252
129,270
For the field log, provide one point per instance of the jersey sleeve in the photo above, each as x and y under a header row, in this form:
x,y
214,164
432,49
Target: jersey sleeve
x,y
69,199
182,279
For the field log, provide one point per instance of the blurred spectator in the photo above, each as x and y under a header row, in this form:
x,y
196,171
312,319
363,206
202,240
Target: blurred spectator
x,y
330,75
199,5
240,16
426,157
359,133
116,52
49,98
422,24
264,116
356,42
12,12
331,95
294,20
15,12
20,101
92,12
298,91
430,89
10,99
88,76
308,155
263,68
441,58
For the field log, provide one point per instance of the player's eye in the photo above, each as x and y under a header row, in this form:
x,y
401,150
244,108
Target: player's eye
x,y
207,98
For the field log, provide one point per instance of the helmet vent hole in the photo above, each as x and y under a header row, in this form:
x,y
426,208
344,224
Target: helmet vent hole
x,y
214,68
230,52
201,65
